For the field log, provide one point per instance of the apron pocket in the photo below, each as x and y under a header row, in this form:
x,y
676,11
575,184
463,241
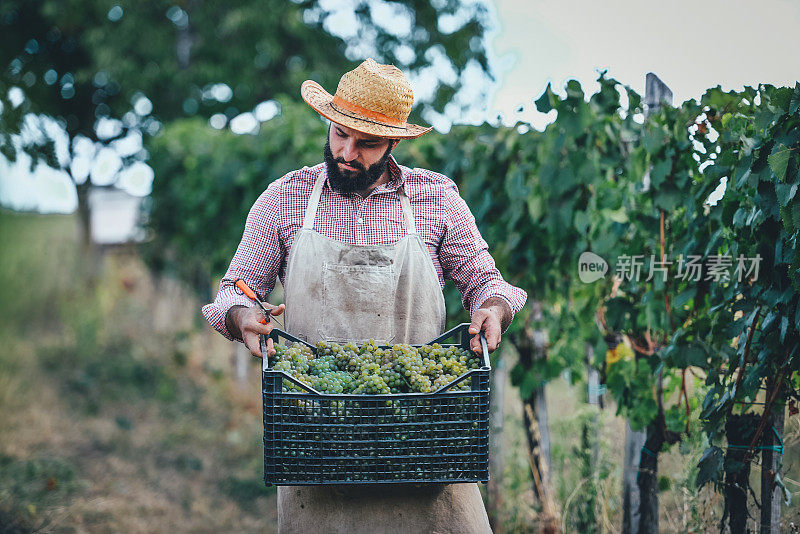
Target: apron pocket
x,y
360,299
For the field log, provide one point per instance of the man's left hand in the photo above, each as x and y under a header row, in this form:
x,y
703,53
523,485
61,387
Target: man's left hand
x,y
492,318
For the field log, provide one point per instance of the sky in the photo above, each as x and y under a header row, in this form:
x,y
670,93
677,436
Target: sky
x,y
690,44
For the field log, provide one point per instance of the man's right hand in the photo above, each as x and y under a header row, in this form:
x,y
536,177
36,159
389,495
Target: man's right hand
x,y
248,324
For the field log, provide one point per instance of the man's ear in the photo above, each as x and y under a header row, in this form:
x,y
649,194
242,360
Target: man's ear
x,y
393,144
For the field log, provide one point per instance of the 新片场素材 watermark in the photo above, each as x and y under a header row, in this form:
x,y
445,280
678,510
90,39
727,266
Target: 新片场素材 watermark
x,y
692,267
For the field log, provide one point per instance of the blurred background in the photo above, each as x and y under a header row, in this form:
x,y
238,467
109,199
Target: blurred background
x,y
135,136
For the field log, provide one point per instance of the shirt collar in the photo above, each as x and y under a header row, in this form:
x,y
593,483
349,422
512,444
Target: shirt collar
x,y
396,176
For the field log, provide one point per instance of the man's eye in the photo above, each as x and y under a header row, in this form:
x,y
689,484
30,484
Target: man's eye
x,y
340,133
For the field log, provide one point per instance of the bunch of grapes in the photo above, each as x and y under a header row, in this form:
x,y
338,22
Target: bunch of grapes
x,y
370,369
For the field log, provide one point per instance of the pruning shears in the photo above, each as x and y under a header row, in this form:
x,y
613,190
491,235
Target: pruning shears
x,y
242,285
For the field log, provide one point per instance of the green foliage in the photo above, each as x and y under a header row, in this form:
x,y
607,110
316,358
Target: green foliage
x,y
80,60
209,180
543,198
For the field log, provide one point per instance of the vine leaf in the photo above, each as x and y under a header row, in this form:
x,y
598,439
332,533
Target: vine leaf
x,y
795,102
779,161
710,467
785,192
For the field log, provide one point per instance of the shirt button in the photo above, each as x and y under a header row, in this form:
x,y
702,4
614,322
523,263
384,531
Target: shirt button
x,y
360,220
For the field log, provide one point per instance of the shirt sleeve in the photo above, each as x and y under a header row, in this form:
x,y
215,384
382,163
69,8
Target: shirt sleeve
x,y
465,258
257,260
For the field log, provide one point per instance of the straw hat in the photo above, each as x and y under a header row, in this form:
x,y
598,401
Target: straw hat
x,y
373,99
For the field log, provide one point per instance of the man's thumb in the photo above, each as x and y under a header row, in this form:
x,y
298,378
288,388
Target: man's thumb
x,y
475,326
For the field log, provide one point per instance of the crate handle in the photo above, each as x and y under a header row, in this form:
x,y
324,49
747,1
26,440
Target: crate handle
x,y
485,351
296,382
264,360
460,329
463,329
277,332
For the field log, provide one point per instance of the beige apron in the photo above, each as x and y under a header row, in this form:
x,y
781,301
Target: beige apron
x,y
391,293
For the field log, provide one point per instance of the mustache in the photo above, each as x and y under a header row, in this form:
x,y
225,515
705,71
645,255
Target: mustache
x,y
353,163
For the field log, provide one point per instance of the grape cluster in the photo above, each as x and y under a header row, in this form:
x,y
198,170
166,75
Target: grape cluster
x,y
370,369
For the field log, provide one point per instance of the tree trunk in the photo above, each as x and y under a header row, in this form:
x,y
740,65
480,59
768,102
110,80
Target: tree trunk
x,y
92,257
84,215
185,40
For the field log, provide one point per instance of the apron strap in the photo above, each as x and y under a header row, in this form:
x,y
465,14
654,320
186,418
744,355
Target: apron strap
x,y
411,228
313,202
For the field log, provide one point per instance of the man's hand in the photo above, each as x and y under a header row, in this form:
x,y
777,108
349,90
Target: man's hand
x,y
492,318
248,323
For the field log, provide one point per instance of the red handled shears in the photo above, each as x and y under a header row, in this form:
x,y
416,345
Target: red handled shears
x,y
242,285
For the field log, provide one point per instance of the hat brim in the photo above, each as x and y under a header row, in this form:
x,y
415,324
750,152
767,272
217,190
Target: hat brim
x,y
320,99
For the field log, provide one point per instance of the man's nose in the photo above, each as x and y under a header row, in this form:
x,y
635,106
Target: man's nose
x,y
349,152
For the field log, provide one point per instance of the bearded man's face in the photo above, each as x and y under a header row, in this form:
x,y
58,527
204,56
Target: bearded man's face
x,y
354,161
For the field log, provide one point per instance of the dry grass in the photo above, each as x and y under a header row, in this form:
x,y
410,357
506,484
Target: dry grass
x,y
118,412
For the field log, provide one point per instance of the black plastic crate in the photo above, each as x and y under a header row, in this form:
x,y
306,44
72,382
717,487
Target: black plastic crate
x,y
312,438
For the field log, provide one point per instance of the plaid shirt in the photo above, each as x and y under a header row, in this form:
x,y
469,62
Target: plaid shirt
x,y
442,219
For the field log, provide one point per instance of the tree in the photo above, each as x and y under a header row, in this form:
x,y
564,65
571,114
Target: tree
x,y
82,60
149,63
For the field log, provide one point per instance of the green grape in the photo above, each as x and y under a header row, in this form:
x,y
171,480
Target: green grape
x,y
370,369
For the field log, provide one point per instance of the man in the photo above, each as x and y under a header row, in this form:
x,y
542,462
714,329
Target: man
x,y
362,246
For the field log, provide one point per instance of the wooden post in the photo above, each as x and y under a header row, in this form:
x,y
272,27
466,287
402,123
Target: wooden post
x,y
592,378
771,494
589,441
634,441
656,94
532,345
499,377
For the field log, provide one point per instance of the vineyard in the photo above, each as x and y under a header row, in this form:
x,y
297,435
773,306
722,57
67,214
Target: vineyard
x,y
658,244
651,382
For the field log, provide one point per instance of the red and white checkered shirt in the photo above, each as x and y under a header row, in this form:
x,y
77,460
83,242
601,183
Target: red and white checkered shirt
x,y
442,219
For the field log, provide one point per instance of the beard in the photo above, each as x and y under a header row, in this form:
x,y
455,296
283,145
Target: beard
x,y
348,182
